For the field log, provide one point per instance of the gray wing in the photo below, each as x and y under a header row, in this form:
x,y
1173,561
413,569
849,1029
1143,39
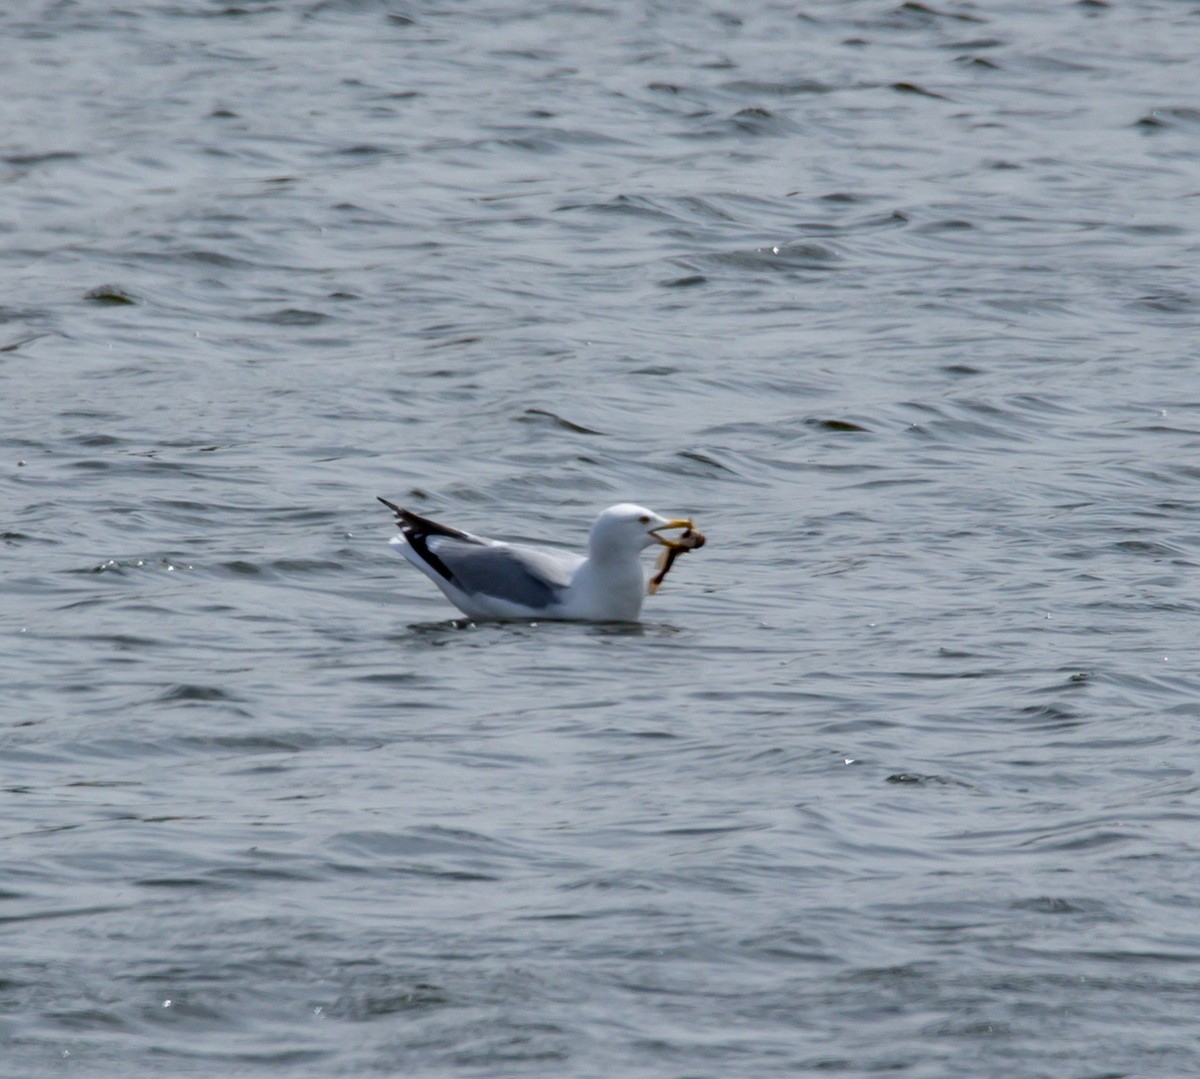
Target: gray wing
x,y
525,575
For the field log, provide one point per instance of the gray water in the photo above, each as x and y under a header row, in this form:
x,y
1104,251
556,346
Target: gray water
x,y
897,776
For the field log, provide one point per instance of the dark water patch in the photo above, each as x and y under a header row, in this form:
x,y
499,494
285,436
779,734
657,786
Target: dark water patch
x,y
201,256
292,316
391,678
1142,228
58,913
915,90
25,160
777,88
86,1019
549,139
451,342
1168,302
13,539
946,225
608,733
185,884
915,14
915,779
297,514
543,416
113,295
99,415
686,462
250,744
1045,904
242,568
1180,116
760,121
364,149
840,426
191,692
97,440
1156,550
20,342
124,642
977,63
372,995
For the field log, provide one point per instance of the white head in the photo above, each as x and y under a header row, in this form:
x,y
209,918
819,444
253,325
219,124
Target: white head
x,y
627,529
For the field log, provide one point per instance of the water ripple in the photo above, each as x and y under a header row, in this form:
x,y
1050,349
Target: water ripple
x,y
895,775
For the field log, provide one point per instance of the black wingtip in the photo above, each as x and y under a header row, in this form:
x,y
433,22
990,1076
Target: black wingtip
x,y
408,519
400,514
410,523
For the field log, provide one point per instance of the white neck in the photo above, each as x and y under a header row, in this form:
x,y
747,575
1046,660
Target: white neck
x,y
625,583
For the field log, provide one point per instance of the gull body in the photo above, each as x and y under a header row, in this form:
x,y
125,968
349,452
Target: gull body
x,y
488,579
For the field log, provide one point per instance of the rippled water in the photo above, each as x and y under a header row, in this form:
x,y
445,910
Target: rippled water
x,y
899,774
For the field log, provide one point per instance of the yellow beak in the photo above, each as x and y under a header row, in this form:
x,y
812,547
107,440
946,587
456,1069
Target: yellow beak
x,y
677,523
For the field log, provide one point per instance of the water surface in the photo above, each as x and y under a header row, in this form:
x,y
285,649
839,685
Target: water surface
x,y
898,774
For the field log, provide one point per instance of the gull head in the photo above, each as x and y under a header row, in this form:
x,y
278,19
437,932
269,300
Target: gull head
x,y
627,528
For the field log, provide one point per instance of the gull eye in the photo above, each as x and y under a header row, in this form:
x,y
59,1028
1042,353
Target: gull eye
x,y
644,519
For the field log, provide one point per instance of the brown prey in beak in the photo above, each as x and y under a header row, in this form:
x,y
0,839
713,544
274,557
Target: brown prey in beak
x,y
687,540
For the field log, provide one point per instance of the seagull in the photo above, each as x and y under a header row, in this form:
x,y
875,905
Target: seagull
x,y
491,580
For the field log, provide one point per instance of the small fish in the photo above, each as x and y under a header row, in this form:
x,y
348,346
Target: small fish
x,y
687,540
